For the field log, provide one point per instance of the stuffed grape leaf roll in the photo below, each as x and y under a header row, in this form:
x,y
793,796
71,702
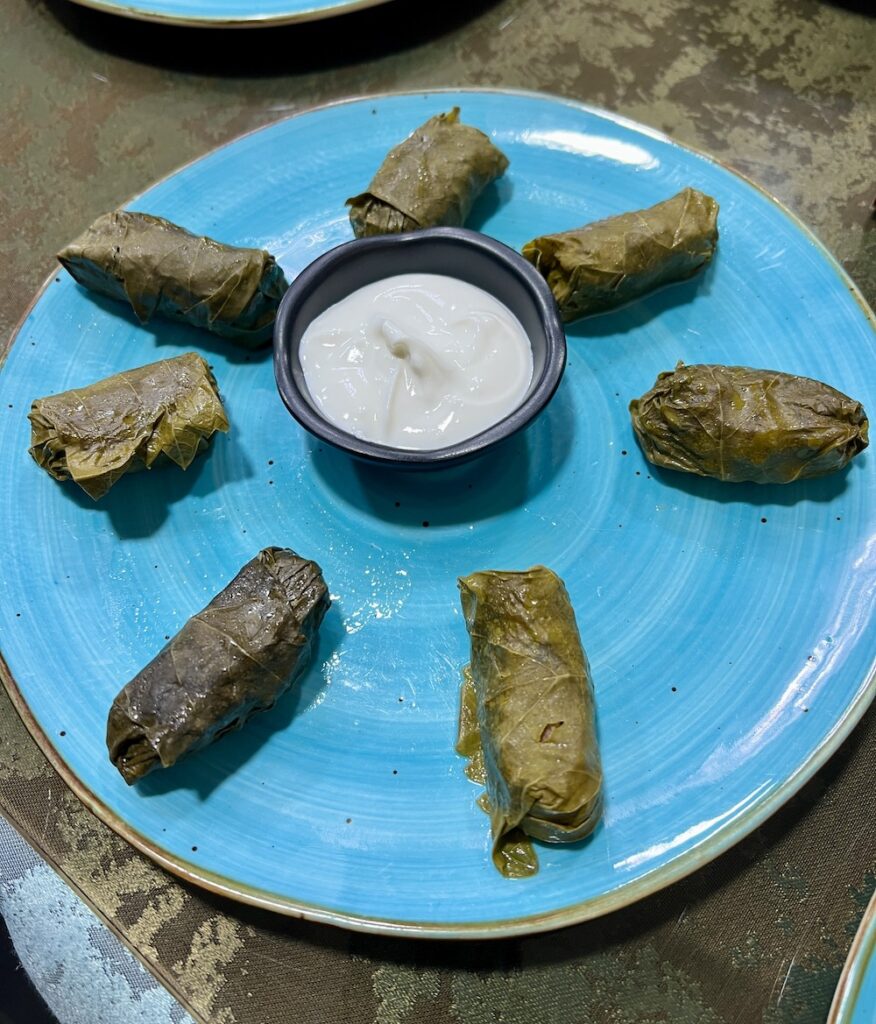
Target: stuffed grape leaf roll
x,y
166,411
527,717
163,270
610,262
235,657
432,179
736,423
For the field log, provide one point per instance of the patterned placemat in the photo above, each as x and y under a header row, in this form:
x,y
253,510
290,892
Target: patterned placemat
x,y
58,962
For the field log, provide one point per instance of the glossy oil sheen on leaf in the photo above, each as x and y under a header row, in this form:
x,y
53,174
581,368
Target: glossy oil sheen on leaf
x,y
235,657
527,703
430,180
163,270
131,421
737,423
604,264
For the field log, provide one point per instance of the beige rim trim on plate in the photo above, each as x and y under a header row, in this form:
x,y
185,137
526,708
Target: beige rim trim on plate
x,y
849,984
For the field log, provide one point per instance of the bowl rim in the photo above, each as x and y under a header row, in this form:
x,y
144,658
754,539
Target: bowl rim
x,y
347,252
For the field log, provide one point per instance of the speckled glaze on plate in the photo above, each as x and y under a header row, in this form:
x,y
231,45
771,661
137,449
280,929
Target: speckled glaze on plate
x,y
229,13
855,999
730,627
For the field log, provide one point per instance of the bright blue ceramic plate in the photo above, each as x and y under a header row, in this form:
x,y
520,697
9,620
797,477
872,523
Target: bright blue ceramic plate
x,y
730,627
229,13
855,999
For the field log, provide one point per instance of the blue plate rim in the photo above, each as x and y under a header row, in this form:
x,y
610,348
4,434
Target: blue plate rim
x,y
317,13
718,842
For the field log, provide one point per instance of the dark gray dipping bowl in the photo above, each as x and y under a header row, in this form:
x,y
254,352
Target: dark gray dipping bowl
x,y
456,252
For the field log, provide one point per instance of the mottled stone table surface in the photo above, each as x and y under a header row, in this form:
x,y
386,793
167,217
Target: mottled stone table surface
x,y
95,108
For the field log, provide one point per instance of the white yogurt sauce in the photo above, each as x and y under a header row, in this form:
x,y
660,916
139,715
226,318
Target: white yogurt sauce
x,y
416,361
